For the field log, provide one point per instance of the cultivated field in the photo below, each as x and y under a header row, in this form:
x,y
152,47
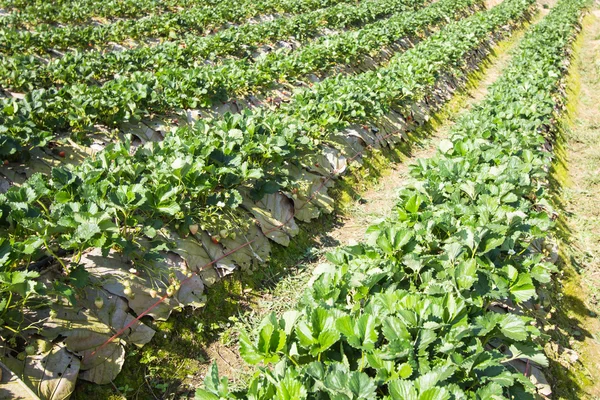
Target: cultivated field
x,y
299,199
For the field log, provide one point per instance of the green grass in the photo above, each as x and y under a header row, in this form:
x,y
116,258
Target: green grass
x,y
572,321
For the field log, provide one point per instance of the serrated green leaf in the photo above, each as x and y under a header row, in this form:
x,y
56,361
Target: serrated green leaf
x,y
513,327
401,389
405,371
86,230
436,393
361,385
170,208
523,289
247,350
521,350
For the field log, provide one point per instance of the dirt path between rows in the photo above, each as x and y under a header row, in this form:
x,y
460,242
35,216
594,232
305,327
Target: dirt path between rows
x,y
578,173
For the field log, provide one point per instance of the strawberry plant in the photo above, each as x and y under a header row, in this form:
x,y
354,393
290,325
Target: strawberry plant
x,y
407,315
249,133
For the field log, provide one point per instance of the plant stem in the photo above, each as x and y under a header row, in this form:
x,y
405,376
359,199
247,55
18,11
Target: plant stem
x,y
53,254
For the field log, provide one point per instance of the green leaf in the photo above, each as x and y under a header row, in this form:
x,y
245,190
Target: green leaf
x,y
62,197
360,333
79,277
32,244
523,289
541,274
215,388
86,230
466,274
5,251
290,388
361,386
345,325
247,350
401,389
445,146
453,250
170,208
513,327
468,188
435,393
202,394
405,371
491,391
320,334
288,320
260,388
61,178
326,339
510,198
492,242
149,231
520,350
305,334
413,204
271,339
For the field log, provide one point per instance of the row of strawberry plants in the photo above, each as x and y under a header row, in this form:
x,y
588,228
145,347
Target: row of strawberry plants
x,y
28,14
238,76
36,119
181,26
84,11
198,177
26,72
406,316
48,15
